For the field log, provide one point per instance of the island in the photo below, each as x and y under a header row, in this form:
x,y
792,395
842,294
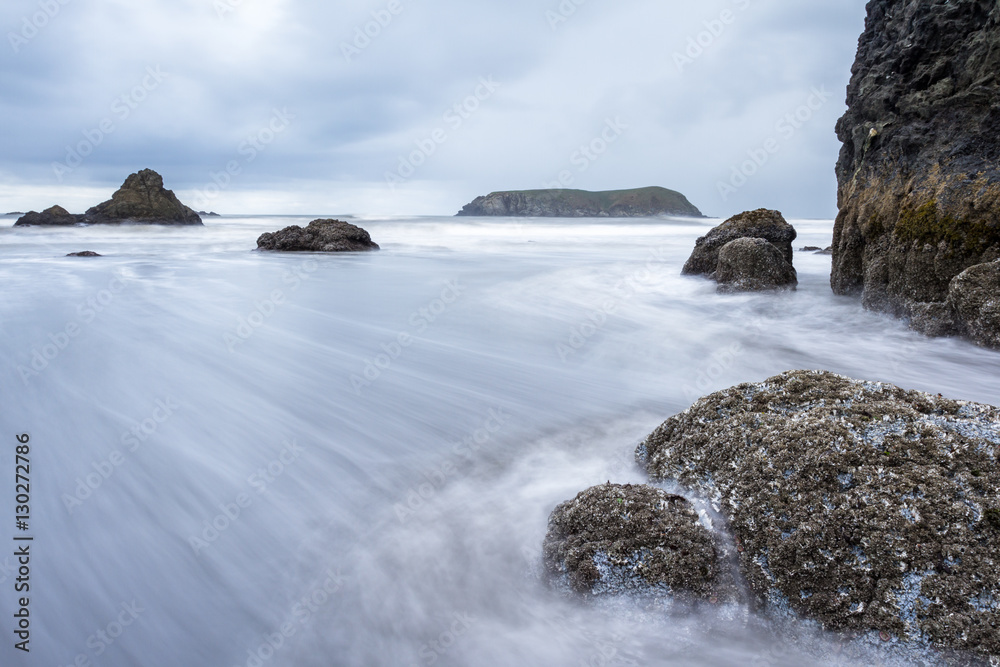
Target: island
x,y
636,203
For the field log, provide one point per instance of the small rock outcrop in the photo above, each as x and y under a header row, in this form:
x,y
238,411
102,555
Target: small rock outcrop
x,y
641,202
318,236
760,224
615,538
919,170
141,199
866,507
974,297
753,265
54,215
85,253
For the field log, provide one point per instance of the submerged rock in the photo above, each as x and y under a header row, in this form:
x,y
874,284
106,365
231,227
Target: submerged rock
x,y
319,236
762,224
866,507
753,265
919,170
640,202
614,539
974,297
85,253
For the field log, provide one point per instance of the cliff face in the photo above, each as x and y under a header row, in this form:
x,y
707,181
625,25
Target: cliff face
x,y
642,202
919,171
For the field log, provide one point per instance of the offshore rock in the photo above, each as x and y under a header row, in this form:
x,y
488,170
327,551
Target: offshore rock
x,y
319,236
919,170
863,506
641,202
753,265
614,539
54,215
762,223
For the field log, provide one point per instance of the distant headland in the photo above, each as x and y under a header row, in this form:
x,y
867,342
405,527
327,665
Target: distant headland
x,y
640,202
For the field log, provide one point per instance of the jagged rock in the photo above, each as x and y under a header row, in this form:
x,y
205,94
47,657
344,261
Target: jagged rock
x,y
54,215
142,198
641,202
762,223
974,298
85,253
753,265
866,507
919,170
614,539
319,236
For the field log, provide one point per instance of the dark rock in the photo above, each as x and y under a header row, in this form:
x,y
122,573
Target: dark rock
x,y
974,298
85,253
811,248
866,507
919,170
753,265
213,214
762,224
642,202
319,236
826,251
54,215
15,213
142,198
614,538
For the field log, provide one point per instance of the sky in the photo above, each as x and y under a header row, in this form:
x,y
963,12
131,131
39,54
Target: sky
x,y
415,107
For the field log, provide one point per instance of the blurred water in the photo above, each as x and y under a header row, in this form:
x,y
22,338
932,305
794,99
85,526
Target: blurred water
x,y
377,438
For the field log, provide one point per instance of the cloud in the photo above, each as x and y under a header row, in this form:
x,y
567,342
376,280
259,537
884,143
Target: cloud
x,y
366,83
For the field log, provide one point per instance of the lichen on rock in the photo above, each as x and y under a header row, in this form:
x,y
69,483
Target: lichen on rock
x,y
858,504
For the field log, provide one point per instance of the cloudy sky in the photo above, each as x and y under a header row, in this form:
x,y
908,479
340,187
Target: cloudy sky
x,y
417,106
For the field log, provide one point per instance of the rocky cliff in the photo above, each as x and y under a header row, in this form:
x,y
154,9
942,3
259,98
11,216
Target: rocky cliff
x,y
642,202
919,171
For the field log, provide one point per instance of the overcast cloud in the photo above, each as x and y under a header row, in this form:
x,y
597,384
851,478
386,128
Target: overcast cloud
x,y
313,115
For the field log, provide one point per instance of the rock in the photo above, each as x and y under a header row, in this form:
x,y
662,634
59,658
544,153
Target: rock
x,y
15,213
54,215
642,202
826,251
213,214
613,539
85,253
319,236
753,265
919,170
142,198
762,223
866,507
811,248
974,298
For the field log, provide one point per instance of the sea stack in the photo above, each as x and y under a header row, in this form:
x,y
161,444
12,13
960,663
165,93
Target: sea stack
x,y
639,202
919,171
